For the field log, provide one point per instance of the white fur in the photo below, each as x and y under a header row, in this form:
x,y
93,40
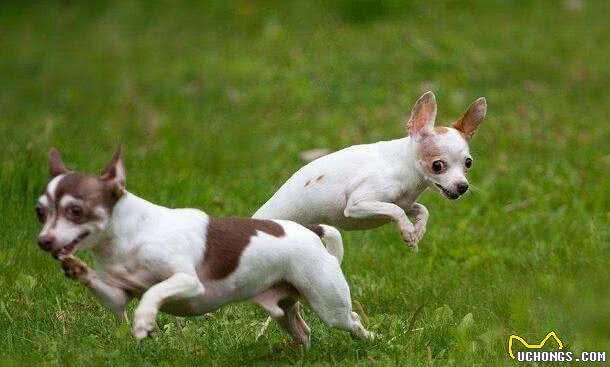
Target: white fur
x,y
155,251
63,230
362,187
46,200
455,149
52,185
365,186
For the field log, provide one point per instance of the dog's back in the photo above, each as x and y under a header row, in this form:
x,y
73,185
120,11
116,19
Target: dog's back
x,y
318,192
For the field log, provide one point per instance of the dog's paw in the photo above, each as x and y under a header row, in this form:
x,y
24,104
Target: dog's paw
x,y
420,230
73,267
372,337
144,323
141,332
410,235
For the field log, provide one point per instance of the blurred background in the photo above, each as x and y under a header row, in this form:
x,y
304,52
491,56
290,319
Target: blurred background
x,y
214,101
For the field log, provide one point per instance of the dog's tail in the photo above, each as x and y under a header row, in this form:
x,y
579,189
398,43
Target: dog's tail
x,y
331,238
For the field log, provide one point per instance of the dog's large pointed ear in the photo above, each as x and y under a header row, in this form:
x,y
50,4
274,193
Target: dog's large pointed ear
x,y
422,116
56,164
114,173
472,118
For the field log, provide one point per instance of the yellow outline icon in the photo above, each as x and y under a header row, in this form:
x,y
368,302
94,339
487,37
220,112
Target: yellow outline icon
x,y
532,346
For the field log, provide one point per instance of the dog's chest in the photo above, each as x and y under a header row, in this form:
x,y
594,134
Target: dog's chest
x,y
406,200
131,277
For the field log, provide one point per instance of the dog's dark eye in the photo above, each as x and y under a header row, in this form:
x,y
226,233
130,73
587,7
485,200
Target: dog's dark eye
x,y
468,162
41,213
74,212
438,166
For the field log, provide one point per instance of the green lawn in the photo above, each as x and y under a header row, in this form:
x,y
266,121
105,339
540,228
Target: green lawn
x,y
213,104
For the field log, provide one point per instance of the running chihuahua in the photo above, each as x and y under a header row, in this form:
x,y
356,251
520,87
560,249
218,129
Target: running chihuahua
x,y
184,262
366,186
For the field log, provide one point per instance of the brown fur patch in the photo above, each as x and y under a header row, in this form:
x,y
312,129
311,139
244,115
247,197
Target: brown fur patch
x,y
320,177
307,183
90,189
441,130
428,152
226,240
317,229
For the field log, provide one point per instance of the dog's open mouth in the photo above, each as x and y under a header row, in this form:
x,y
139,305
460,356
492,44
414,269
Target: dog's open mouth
x,y
447,193
71,247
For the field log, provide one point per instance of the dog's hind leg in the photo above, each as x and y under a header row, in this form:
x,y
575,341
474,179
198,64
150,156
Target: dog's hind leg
x,y
293,322
329,296
280,301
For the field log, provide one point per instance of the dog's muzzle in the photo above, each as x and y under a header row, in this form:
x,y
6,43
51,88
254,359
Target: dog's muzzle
x,y
449,194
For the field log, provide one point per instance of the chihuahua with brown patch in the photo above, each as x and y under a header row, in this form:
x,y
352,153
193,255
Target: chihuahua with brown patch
x,y
184,262
365,186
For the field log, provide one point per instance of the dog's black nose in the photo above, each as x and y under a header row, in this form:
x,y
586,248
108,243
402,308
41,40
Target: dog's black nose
x,y
46,242
462,187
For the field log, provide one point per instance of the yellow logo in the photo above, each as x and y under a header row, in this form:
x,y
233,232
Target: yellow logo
x,y
532,346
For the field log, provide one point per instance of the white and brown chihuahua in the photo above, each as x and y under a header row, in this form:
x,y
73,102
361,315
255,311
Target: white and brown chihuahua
x,y
365,186
184,262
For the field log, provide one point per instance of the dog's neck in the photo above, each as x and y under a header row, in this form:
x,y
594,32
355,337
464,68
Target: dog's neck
x,y
402,157
131,216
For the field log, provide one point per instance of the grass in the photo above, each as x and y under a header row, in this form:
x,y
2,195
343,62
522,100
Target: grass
x,y
213,103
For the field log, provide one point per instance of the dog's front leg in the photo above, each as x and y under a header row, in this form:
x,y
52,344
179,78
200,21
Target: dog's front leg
x,y
178,286
420,215
112,297
371,208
